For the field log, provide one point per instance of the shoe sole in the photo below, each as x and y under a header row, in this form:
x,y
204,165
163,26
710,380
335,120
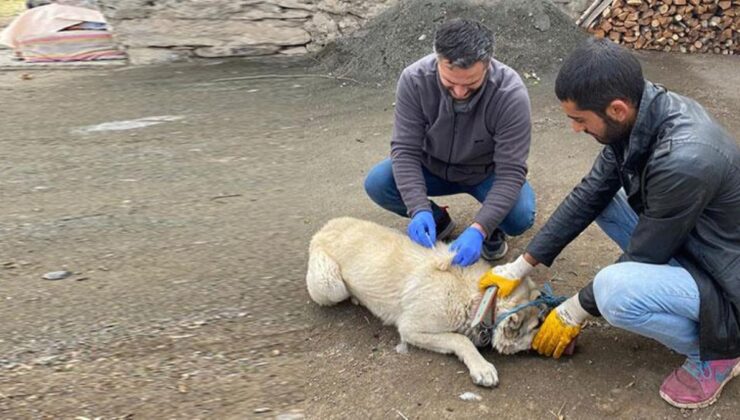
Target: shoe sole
x,y
708,402
498,256
447,232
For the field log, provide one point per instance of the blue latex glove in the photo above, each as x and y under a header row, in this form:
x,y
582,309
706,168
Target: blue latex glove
x,y
422,229
467,247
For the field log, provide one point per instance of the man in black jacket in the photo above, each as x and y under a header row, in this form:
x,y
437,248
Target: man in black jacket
x,y
666,189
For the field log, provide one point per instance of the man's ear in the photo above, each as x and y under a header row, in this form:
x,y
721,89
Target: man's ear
x,y
619,110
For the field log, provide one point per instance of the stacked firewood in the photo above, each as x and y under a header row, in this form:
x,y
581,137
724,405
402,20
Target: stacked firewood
x,y
667,25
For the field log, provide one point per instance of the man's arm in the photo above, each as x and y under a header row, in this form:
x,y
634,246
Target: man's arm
x,y
676,197
512,139
581,207
406,146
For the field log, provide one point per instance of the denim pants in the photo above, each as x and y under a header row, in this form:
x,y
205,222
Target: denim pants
x,y
381,187
656,301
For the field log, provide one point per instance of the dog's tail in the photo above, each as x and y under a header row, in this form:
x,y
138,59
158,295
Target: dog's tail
x,y
324,278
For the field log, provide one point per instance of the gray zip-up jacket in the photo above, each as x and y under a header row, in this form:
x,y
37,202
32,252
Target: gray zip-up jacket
x,y
490,135
681,172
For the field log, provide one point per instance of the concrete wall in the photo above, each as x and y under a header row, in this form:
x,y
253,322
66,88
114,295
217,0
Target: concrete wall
x,y
165,30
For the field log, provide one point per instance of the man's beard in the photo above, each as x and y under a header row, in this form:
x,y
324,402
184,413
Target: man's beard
x,y
615,132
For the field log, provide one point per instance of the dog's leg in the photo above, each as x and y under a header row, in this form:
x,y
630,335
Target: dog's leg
x,y
482,372
324,279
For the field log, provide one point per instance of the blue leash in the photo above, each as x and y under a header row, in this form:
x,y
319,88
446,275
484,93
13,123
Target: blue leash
x,y
546,297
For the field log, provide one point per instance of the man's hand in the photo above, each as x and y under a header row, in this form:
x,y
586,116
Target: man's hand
x,y
560,328
422,229
467,247
506,277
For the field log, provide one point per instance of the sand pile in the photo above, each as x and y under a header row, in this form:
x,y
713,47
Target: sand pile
x,y
531,35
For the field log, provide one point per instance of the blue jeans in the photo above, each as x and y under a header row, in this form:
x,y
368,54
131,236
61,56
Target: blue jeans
x,y
656,301
381,187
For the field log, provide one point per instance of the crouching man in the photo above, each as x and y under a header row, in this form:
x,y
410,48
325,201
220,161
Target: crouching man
x,y
666,189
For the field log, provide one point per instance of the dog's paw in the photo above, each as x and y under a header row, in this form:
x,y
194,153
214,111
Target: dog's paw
x,y
484,374
402,348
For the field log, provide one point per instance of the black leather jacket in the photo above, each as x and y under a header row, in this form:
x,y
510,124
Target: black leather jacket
x,y
681,172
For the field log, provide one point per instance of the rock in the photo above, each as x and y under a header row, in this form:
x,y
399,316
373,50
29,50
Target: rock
x,y
165,33
294,51
144,56
470,396
542,22
57,275
236,51
291,415
262,410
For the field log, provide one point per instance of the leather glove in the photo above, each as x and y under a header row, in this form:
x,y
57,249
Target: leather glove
x,y
560,328
422,229
467,247
506,276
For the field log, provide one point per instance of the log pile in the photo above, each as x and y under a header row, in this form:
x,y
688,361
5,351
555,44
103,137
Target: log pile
x,y
686,26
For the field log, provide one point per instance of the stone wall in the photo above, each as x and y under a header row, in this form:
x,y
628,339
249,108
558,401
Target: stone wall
x,y
167,30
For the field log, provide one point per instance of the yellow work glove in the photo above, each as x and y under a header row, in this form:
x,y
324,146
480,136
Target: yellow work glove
x,y
561,326
506,277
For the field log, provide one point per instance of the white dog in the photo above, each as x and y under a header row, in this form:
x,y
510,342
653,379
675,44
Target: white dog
x,y
417,289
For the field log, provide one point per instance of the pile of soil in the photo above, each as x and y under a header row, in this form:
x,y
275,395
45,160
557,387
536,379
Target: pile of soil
x,y
531,35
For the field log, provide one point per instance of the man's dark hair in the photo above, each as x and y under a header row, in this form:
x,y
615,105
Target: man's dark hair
x,y
598,72
30,4
463,42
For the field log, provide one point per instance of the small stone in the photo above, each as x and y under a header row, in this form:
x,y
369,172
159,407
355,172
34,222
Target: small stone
x,y
422,37
470,396
292,415
57,275
276,352
261,410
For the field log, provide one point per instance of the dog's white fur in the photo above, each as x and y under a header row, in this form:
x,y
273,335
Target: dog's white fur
x,y
416,289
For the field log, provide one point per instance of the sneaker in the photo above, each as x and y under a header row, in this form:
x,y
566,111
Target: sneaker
x,y
495,247
445,224
698,384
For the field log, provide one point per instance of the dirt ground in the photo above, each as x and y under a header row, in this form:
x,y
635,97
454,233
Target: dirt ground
x,y
187,242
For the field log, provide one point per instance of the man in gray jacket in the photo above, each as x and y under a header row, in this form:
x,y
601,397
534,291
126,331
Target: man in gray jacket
x,y
666,189
462,125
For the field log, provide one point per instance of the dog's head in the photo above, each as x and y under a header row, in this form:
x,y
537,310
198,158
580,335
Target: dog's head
x,y
516,332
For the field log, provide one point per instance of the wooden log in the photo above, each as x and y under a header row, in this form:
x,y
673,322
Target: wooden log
x,y
663,9
634,2
679,2
607,26
725,4
640,42
695,2
725,35
599,33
